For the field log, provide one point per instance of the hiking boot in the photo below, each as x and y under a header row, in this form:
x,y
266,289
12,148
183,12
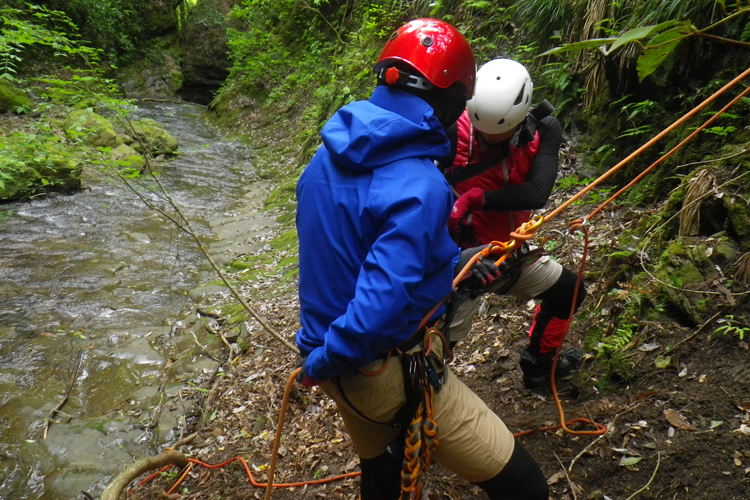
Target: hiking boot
x,y
537,368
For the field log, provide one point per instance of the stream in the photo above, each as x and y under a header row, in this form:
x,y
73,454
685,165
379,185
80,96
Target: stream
x,y
100,276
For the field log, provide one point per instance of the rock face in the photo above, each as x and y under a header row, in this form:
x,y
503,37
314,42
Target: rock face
x,y
186,58
205,62
157,74
158,17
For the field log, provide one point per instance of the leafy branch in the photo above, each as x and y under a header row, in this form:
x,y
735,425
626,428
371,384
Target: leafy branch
x,y
656,42
17,32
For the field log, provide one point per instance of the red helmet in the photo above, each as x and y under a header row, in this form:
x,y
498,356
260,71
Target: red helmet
x,y
434,48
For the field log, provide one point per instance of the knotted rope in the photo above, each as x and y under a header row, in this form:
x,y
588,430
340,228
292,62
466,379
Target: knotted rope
x,y
421,443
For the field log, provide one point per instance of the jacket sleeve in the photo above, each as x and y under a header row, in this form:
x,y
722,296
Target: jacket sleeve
x,y
534,193
412,241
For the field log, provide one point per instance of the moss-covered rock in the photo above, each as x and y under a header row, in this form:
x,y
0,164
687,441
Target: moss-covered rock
x,y
13,99
127,157
688,265
92,128
739,219
45,172
153,135
24,177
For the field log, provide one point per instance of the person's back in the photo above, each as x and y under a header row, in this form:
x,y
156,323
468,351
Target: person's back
x,y
373,175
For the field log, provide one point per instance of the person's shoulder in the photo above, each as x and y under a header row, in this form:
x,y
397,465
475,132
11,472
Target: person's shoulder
x,y
549,126
410,177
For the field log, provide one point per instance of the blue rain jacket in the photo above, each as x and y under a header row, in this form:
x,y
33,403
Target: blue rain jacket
x,y
375,254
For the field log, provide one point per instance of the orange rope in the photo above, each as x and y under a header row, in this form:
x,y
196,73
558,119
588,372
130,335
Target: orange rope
x,y
657,162
580,225
255,483
269,485
649,144
600,429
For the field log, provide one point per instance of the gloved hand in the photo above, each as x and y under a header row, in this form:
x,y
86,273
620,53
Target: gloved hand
x,y
481,274
302,377
471,200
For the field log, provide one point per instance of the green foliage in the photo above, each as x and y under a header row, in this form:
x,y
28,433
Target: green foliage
x,y
42,158
721,131
321,472
732,327
112,25
489,27
635,114
31,163
656,42
557,80
611,343
37,26
547,20
572,181
603,152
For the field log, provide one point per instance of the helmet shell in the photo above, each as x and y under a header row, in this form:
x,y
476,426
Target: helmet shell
x,y
434,48
502,96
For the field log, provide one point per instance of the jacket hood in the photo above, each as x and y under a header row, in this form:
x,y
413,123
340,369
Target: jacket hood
x,y
392,125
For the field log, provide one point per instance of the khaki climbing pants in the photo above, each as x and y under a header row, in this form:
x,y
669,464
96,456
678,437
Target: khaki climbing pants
x,y
535,278
473,441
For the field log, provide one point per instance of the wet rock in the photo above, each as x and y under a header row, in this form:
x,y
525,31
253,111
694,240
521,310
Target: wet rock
x,y
154,137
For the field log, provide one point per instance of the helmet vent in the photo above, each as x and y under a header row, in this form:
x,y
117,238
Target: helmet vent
x,y
502,120
427,41
520,96
476,115
393,36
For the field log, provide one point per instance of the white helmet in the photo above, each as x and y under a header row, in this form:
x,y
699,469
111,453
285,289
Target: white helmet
x,y
502,96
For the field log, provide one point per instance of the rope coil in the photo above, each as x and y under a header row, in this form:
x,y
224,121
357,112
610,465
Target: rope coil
x,y
421,443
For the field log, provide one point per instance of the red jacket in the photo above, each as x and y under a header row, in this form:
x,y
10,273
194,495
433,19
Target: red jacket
x,y
492,225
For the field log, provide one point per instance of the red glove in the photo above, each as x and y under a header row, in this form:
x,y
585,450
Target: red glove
x,y
473,199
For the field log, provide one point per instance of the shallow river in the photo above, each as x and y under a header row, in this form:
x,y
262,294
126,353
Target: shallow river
x,y
97,274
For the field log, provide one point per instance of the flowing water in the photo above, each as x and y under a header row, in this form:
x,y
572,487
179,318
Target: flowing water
x,y
99,275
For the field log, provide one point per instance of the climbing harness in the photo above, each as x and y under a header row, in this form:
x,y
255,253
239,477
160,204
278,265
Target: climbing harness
x,y
415,432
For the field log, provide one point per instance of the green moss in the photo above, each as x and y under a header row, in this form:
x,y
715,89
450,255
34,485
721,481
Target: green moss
x,y
12,98
739,219
286,241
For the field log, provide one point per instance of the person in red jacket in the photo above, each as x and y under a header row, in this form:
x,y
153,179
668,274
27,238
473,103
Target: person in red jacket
x,y
505,165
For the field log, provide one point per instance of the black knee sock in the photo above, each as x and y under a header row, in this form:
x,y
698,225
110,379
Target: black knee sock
x,y
520,479
381,478
559,297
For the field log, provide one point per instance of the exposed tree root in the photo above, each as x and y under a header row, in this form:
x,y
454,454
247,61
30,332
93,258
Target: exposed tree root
x,y
169,457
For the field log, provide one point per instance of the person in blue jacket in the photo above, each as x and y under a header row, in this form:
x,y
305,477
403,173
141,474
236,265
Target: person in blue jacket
x,y
375,256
